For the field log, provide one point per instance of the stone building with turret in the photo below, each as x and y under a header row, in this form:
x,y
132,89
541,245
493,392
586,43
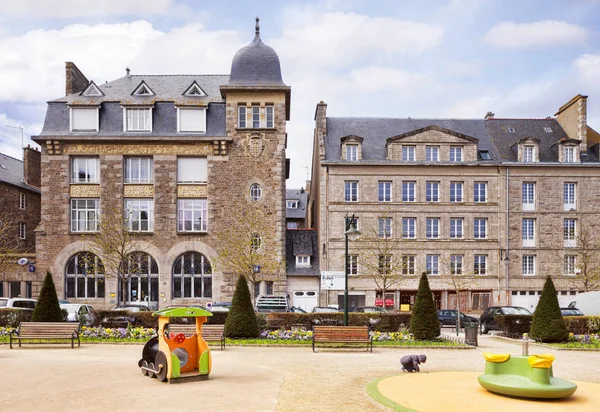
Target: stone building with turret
x,y
179,156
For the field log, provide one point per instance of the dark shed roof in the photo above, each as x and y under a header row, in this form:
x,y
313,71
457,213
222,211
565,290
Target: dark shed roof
x,y
302,242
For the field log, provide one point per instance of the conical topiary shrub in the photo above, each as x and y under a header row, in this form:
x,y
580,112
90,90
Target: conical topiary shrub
x,y
241,321
47,308
548,324
424,323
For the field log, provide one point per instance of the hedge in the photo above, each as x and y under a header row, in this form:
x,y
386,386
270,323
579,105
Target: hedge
x,y
514,325
582,325
12,317
146,320
386,322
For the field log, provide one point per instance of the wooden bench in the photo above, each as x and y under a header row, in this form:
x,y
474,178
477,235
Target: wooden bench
x,y
341,334
210,333
47,331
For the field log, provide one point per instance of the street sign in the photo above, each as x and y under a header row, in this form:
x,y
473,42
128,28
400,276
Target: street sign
x,y
23,261
331,280
31,268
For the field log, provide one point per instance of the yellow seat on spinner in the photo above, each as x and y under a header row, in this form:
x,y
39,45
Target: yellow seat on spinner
x,y
543,361
496,357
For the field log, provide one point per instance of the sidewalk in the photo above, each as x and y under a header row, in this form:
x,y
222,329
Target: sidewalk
x,y
106,377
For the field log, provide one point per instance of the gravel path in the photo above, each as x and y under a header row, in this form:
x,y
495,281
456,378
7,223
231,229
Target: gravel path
x,y
106,377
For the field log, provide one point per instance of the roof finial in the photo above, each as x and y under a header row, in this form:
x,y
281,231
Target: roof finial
x,y
257,27
127,70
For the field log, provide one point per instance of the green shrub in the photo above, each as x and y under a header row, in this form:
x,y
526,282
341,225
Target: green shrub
x,y
514,325
582,325
386,322
241,322
424,324
12,317
548,325
47,308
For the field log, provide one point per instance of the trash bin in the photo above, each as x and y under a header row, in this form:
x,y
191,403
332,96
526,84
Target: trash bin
x,y
471,334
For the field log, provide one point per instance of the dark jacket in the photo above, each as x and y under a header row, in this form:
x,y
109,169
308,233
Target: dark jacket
x,y
411,362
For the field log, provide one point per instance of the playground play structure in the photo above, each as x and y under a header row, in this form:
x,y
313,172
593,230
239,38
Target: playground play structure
x,y
171,357
528,376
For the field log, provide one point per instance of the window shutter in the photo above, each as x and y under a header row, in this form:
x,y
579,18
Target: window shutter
x,y
192,120
192,170
84,118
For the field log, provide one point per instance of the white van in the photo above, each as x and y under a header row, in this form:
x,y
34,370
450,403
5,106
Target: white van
x,y
587,302
271,303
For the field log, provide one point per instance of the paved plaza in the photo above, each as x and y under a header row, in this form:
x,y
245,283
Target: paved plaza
x,y
106,377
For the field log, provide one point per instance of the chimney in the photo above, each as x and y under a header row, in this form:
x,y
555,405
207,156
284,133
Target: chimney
x,y
32,166
308,183
489,116
572,117
75,81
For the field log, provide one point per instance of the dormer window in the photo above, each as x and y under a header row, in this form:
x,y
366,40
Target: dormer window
x,y
138,119
528,154
91,90
194,91
84,119
143,90
292,204
528,148
408,153
351,148
569,154
568,151
485,155
511,129
191,119
302,260
352,152
548,129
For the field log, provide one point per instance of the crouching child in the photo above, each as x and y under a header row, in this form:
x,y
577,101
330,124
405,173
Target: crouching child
x,y
410,363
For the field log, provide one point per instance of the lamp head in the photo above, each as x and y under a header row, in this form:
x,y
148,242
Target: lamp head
x,y
352,230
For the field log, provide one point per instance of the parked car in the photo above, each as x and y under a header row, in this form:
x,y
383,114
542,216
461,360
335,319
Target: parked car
x,y
371,309
571,312
488,322
84,314
587,302
17,303
220,307
447,317
296,309
132,307
324,309
122,321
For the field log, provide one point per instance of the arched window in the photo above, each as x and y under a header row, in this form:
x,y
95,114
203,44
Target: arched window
x,y
192,276
255,192
141,278
256,242
84,276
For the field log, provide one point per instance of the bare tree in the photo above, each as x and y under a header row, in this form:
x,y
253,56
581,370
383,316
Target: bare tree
x,y
245,248
587,258
116,243
380,257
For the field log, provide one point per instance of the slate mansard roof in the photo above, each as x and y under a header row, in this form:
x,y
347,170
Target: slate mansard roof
x,y
302,242
168,93
12,172
296,194
493,135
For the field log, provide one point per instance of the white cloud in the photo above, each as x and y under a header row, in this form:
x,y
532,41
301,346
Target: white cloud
x,y
86,8
588,66
10,138
547,33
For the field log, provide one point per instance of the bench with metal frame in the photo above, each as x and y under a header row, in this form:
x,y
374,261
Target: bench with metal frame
x,y
210,333
46,331
342,334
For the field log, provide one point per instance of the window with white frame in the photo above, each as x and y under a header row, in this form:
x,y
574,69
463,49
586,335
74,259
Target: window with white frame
x,y
456,227
385,191
456,191
432,228
384,227
138,120
480,192
241,117
528,154
302,260
84,276
408,264
409,227
480,265
84,119
528,265
191,120
139,215
570,196
568,154
192,215
432,153
139,170
255,116
22,198
385,264
480,228
351,191
528,195
292,204
256,242
408,153
456,264
570,265
352,152
432,191
22,230
84,215
255,192
409,191
85,170
192,170
353,264
570,232
432,266
270,116
456,154
528,232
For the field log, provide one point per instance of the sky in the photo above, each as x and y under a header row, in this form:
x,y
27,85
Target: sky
x,y
384,58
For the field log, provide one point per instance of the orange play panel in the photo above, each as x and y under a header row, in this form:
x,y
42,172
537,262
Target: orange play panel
x,y
460,391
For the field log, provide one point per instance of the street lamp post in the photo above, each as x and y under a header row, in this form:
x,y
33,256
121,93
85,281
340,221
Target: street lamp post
x,y
504,257
351,230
